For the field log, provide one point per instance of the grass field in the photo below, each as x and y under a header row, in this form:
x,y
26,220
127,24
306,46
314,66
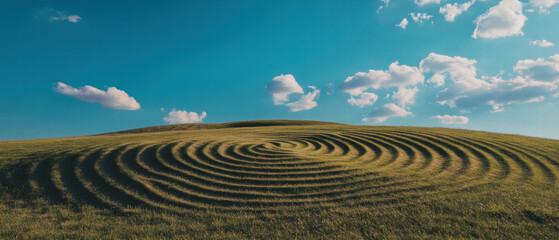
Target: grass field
x,y
281,179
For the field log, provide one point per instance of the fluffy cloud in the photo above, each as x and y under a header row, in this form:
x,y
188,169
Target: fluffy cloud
x,y
112,98
461,70
282,86
447,119
542,43
419,17
389,110
405,96
540,70
537,79
424,2
179,117
504,20
364,99
498,94
543,5
403,23
450,11
396,76
437,79
306,101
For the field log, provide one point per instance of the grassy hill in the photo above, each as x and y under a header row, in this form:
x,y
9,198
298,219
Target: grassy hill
x,y
281,179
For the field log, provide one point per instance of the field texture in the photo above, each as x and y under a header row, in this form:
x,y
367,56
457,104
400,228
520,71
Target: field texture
x,y
281,179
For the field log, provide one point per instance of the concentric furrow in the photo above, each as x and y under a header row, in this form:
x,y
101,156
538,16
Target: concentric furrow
x,y
176,188
292,169
528,162
445,149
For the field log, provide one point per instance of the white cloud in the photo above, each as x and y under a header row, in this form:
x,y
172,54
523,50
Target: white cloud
x,y
53,15
306,101
437,79
543,5
282,86
364,99
541,43
396,76
70,18
424,2
419,17
539,70
504,20
179,117
460,70
112,98
405,96
381,114
403,23
498,94
450,11
537,79
386,2
447,119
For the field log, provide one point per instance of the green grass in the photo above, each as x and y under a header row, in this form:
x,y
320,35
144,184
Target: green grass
x,y
281,179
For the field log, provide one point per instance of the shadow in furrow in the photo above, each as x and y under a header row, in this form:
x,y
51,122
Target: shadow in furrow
x,y
42,174
101,186
80,194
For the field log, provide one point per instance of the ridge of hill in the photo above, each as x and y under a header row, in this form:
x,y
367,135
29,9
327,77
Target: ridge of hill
x,y
199,126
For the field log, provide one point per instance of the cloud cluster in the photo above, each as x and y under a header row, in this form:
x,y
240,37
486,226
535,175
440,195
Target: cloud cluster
x,y
400,76
363,100
112,98
504,20
461,70
180,117
541,43
540,70
396,76
405,96
536,79
282,86
543,5
381,114
306,101
450,11
425,2
420,17
448,119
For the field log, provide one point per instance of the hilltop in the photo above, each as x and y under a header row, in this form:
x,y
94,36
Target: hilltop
x,y
281,179
199,126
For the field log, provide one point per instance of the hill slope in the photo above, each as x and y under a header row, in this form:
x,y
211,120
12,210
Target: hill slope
x,y
279,179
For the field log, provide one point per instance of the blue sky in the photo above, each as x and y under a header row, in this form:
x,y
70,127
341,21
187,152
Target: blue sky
x,y
73,68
